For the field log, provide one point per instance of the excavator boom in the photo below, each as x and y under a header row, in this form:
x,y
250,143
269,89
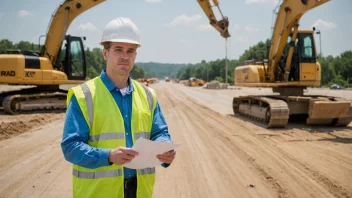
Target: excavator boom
x,y
60,22
287,18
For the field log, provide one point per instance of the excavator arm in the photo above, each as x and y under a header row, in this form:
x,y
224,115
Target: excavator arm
x,y
60,22
287,20
70,9
222,25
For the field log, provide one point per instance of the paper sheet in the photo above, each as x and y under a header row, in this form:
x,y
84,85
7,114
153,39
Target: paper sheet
x,y
147,152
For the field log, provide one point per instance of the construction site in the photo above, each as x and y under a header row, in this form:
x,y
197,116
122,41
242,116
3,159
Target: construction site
x,y
222,154
276,131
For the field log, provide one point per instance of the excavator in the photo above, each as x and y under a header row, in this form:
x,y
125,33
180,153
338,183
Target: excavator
x,y
195,82
61,61
291,67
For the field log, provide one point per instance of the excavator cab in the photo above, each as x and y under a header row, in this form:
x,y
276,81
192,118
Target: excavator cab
x,y
310,69
71,58
303,62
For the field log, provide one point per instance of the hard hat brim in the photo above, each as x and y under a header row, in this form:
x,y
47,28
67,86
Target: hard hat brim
x,y
121,41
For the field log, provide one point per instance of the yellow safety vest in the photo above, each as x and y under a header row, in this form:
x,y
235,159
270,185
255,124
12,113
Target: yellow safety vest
x,y
107,131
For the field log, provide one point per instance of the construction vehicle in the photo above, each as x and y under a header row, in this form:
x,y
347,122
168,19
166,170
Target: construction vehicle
x,y
154,80
144,81
291,67
184,82
60,61
195,82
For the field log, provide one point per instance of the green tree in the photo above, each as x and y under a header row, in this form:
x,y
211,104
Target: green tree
x,y
25,46
6,45
345,60
339,80
219,78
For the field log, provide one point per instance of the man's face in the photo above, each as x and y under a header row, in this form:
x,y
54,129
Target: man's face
x,y
120,58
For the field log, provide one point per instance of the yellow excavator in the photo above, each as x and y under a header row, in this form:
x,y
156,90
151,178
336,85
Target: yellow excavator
x,y
291,67
61,61
195,82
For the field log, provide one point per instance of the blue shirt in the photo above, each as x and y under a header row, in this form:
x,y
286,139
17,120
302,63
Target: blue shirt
x,y
76,131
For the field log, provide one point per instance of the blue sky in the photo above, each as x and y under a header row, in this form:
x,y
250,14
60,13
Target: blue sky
x,y
177,31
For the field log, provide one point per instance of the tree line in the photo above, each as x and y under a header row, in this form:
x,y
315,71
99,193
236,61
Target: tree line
x,y
216,70
335,70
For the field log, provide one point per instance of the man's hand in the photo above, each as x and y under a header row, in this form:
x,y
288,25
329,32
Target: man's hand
x,y
167,157
122,155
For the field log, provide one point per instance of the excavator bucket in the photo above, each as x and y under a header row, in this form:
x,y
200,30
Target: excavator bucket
x,y
329,112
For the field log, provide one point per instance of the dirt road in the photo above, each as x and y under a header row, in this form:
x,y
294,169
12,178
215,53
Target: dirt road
x,y
221,155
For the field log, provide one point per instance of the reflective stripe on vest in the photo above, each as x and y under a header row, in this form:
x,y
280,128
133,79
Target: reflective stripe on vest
x,y
146,171
117,135
107,136
149,97
89,100
112,173
97,175
144,135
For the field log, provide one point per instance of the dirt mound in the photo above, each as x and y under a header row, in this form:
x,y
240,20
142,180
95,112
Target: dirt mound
x,y
14,125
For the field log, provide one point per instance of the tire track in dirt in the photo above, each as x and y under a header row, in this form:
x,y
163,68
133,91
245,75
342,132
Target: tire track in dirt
x,y
328,184
36,167
208,115
202,157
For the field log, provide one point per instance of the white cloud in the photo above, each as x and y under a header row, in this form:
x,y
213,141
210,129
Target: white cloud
x,y
185,20
87,26
23,13
204,27
324,24
250,29
153,1
261,1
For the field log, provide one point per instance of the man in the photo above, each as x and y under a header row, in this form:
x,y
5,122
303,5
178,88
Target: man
x,y
104,118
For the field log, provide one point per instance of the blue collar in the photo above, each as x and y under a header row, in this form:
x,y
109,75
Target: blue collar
x,y
110,85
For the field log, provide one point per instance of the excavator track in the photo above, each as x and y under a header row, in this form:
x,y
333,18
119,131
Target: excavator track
x,y
18,103
273,112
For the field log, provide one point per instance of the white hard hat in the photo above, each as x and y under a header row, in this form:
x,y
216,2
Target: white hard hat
x,y
121,30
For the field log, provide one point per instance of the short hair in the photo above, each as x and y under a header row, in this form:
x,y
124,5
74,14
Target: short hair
x,y
107,45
